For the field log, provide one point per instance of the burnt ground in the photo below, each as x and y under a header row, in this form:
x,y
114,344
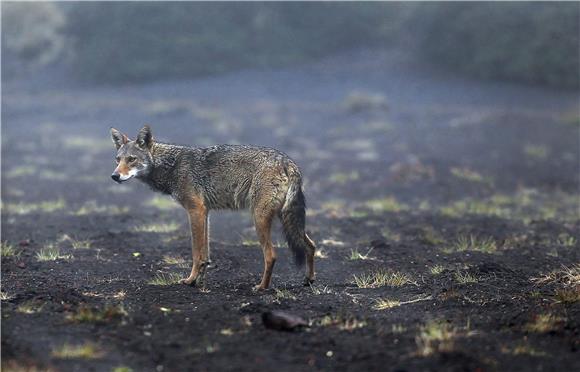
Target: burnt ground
x,y
452,202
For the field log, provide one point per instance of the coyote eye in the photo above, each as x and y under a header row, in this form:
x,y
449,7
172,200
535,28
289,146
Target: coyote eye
x,y
131,159
117,159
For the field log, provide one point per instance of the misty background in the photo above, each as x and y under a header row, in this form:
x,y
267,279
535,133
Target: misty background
x,y
125,42
439,140
366,97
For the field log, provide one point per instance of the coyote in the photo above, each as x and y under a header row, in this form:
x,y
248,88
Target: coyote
x,y
262,179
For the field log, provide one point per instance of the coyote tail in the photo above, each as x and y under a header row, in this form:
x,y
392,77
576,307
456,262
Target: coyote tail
x,y
293,216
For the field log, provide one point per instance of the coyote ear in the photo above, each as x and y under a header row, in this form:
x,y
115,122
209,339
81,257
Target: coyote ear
x,y
119,139
145,138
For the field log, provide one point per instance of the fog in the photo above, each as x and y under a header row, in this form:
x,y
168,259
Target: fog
x,y
439,143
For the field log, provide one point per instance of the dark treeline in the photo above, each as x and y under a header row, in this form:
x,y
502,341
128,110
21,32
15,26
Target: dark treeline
x,y
127,41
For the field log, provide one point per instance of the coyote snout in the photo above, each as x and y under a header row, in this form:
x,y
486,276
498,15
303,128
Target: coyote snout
x,y
262,179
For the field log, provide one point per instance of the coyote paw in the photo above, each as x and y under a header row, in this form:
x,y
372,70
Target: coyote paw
x,y
188,281
259,287
193,281
307,281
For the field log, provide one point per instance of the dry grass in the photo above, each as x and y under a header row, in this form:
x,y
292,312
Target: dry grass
x,y
176,261
318,290
435,337
23,366
344,178
432,237
382,278
566,240
344,323
462,277
76,243
20,171
523,349
544,323
470,175
567,296
283,294
356,255
94,315
249,242
122,369
85,351
30,307
385,303
332,241
165,279
539,152
526,205
390,235
398,328
567,276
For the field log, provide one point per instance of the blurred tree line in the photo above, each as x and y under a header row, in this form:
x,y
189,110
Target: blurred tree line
x,y
127,42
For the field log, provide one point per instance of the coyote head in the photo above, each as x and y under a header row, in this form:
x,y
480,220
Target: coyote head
x,y
133,157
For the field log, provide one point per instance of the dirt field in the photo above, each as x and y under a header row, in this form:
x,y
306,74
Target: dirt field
x,y
445,211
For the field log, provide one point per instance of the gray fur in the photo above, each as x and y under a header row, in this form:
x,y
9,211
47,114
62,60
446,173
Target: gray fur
x,y
262,179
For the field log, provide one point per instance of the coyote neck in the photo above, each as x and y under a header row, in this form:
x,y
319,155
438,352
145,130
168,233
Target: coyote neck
x,y
163,167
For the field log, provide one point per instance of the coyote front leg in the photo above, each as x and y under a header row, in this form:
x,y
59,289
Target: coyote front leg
x,y
198,220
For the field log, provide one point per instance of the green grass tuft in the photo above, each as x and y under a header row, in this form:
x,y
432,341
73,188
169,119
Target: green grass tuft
x,y
92,207
539,152
157,227
436,269
471,176
7,250
26,208
51,253
76,244
472,243
344,178
388,204
162,203
5,296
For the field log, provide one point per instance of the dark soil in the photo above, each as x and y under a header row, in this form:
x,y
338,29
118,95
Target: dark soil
x,y
448,161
